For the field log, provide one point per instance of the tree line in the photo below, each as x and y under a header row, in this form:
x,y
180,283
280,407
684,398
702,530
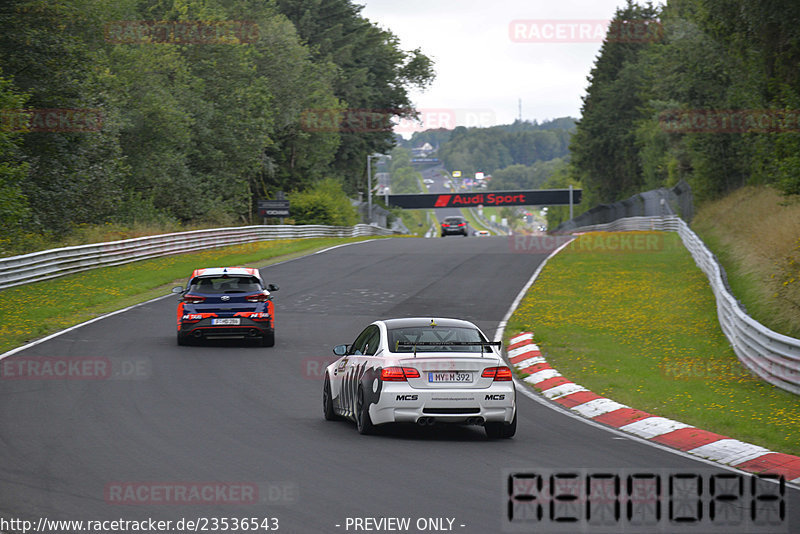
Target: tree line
x,y
187,110
713,97
521,143
520,155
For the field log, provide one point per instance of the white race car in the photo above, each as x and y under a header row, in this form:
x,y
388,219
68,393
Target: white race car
x,y
422,371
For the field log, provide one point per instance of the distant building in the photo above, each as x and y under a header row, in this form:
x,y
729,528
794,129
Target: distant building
x,y
422,151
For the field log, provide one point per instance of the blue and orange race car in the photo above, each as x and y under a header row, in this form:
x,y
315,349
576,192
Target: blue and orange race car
x,y
226,302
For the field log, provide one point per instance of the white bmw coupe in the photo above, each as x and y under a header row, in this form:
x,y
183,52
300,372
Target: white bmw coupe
x,y
424,371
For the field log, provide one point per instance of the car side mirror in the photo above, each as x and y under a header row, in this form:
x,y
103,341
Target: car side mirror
x,y
272,287
340,350
177,290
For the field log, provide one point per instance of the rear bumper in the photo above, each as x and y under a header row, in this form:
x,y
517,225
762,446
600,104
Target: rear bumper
x,y
400,403
246,328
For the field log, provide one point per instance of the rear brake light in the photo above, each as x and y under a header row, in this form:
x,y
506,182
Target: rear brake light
x,y
498,374
258,297
462,224
398,374
193,299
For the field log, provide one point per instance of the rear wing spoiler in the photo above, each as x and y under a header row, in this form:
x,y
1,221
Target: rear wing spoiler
x,y
415,344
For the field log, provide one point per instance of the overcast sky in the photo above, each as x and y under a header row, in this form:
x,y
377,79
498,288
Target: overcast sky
x,y
484,67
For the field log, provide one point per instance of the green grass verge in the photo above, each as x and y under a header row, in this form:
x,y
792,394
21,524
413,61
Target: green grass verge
x,y
488,211
641,327
474,222
755,234
417,221
747,286
34,310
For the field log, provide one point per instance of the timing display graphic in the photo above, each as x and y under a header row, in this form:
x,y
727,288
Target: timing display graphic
x,y
642,501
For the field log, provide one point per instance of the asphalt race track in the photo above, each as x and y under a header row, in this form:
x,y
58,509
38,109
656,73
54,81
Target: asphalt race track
x,y
237,413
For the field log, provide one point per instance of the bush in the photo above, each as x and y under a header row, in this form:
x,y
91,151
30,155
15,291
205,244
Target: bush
x,y
325,203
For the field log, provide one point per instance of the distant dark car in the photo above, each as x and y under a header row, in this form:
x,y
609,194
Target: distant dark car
x,y
226,302
455,225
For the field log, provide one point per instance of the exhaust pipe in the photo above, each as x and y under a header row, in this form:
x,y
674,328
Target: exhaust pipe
x,y
431,421
197,333
252,332
426,421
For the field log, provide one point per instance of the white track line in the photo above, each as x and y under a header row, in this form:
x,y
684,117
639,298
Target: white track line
x,y
123,310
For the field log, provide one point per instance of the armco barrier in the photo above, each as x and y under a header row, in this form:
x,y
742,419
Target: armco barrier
x,y
772,356
18,270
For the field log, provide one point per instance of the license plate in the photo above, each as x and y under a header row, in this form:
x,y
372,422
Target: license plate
x,y
456,377
225,322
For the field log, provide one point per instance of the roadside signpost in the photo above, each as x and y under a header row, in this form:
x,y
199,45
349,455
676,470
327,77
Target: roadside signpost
x,y
274,208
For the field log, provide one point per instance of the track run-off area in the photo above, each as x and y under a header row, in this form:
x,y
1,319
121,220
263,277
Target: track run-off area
x,y
241,426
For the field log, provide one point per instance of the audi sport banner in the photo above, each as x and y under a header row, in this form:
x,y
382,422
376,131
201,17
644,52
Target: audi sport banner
x,y
539,197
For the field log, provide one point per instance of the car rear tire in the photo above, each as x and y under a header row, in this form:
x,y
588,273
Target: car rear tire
x,y
327,401
501,430
268,339
182,340
363,421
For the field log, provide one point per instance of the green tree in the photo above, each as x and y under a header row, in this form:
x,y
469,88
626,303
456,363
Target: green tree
x,y
520,143
373,74
715,55
604,147
13,202
52,51
190,131
561,178
525,176
404,179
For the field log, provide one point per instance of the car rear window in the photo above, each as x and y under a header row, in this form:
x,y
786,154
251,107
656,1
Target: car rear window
x,y
437,334
227,284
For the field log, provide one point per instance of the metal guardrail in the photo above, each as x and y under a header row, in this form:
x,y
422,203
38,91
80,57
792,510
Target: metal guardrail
x,y
654,203
668,223
47,264
770,355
